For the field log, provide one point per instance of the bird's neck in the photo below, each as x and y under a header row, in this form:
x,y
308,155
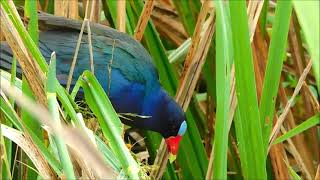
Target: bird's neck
x,y
155,106
154,100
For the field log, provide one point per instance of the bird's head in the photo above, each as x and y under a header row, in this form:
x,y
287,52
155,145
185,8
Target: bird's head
x,y
169,120
177,127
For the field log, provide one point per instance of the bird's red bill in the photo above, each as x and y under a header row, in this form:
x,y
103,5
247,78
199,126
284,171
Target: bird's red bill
x,y
173,144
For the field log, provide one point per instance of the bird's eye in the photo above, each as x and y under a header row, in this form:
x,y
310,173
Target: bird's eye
x,y
183,128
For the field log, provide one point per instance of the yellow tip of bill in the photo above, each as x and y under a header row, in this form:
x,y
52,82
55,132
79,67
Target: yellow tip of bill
x,y
172,157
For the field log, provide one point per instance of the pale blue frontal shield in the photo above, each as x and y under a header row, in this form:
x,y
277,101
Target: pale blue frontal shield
x,y
183,128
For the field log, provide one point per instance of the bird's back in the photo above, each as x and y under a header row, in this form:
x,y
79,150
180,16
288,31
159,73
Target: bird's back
x,y
108,53
121,64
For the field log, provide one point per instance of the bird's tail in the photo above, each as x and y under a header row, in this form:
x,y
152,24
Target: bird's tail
x,y
6,56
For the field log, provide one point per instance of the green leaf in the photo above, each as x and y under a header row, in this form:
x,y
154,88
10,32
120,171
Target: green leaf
x,y
309,18
188,13
53,109
294,175
112,7
178,55
311,122
224,57
277,50
251,147
32,14
110,157
263,17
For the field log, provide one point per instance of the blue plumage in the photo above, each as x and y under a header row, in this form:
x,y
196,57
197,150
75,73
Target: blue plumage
x,y
132,83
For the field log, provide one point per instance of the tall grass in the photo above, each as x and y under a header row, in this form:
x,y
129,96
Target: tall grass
x,y
248,123
224,58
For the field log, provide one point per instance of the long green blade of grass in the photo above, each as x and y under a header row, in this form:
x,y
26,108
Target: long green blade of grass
x,y
32,14
294,174
111,6
108,154
241,135
53,108
179,54
263,17
309,18
311,122
5,172
275,61
223,52
13,75
7,142
109,122
251,142
188,12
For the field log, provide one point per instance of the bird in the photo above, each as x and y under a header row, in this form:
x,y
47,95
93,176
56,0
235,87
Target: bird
x,y
123,67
